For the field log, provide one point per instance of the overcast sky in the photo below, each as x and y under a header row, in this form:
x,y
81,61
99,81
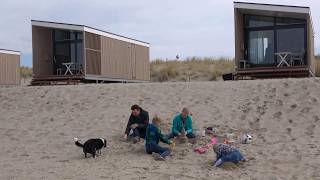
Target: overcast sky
x,y
184,27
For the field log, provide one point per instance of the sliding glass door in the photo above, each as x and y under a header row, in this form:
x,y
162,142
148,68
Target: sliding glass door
x,y
261,47
291,40
67,48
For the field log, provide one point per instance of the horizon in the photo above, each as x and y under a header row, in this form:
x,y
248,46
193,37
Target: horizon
x,y
207,31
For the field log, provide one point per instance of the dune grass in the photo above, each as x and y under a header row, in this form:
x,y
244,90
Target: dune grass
x,y
190,69
25,72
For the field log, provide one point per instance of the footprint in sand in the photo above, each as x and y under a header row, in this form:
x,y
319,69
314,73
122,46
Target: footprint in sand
x,y
290,121
277,114
279,102
306,110
314,100
289,130
293,106
316,118
286,94
310,130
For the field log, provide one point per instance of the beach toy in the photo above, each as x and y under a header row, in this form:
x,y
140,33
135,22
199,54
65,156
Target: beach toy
x,y
246,139
173,145
204,149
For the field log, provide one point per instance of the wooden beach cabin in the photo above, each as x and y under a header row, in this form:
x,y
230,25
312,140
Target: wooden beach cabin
x,y
70,53
273,41
9,67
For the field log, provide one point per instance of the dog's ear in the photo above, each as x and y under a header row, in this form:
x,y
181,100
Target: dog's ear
x,y
105,142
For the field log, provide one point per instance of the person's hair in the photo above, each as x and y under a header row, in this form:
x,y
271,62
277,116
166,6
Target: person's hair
x,y
156,119
133,107
185,109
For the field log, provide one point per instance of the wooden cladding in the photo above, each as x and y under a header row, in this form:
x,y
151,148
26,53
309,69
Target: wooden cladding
x,y
93,41
93,62
124,60
9,69
42,47
116,59
93,54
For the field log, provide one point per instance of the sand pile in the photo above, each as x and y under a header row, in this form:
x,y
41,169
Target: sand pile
x,y
37,125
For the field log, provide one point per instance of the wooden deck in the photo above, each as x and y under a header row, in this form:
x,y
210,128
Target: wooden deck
x,y
272,72
56,80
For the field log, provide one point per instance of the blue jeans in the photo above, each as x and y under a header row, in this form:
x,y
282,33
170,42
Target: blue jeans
x,y
172,135
234,157
153,147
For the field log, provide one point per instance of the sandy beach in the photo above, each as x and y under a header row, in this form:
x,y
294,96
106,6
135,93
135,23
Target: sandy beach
x,y
37,125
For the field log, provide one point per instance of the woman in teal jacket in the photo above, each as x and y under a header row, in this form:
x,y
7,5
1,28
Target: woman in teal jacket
x,y
182,121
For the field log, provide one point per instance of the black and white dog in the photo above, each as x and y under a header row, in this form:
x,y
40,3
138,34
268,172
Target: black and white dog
x,y
92,146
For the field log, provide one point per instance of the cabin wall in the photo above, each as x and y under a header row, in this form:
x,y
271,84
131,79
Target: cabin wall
x,y
116,59
42,49
92,54
124,60
9,69
311,56
239,36
142,63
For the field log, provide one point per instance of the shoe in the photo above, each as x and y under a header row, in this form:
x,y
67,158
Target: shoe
x,y
136,140
158,157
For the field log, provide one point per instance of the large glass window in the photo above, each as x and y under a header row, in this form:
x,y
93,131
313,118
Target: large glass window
x,y
261,47
68,47
291,40
266,36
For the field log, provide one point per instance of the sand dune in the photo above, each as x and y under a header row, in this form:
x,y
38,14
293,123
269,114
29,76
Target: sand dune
x,y
37,125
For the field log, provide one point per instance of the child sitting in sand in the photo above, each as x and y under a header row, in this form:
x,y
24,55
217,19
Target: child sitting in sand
x,y
153,136
227,153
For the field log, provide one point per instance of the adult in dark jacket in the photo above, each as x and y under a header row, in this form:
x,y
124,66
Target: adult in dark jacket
x,y
137,124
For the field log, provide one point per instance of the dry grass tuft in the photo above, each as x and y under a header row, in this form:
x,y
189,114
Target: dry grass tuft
x,y
25,72
191,69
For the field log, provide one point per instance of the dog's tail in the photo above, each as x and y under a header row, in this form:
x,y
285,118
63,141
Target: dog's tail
x,y
77,143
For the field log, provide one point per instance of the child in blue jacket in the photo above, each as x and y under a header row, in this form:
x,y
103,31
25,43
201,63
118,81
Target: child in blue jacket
x,y
153,136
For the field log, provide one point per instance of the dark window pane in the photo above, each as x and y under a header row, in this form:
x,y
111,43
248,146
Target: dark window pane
x,y
80,52
61,35
73,35
291,40
80,35
258,21
261,47
289,21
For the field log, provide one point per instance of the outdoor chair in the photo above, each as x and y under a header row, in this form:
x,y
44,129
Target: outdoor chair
x,y
297,59
244,64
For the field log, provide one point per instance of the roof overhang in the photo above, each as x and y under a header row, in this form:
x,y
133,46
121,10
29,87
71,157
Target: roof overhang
x,y
273,10
83,28
298,12
272,7
6,51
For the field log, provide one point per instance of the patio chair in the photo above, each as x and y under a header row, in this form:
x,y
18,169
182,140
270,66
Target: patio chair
x,y
297,58
244,64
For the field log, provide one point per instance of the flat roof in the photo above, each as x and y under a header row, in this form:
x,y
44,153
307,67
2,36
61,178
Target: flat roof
x,y
7,51
272,7
77,27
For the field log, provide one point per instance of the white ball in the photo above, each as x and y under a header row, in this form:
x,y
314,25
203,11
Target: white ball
x,y
246,139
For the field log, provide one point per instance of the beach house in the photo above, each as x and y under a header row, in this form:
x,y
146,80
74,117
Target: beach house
x,y
273,41
78,53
